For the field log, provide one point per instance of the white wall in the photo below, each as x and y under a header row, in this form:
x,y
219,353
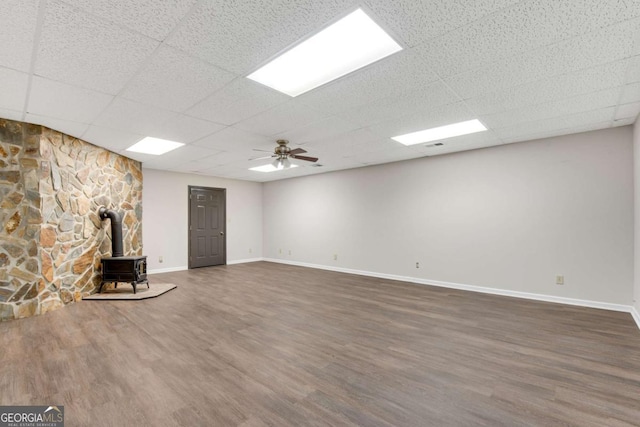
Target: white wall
x,y
510,217
165,217
636,198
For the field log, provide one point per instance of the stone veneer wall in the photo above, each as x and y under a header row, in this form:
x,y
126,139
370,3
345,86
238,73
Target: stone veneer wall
x,y
52,239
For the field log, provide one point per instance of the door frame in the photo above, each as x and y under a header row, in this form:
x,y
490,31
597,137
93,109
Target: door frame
x,y
224,225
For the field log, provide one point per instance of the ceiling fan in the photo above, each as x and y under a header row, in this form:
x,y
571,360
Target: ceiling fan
x,y
282,153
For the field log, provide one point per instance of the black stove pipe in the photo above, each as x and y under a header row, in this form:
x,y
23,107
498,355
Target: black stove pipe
x,y
116,230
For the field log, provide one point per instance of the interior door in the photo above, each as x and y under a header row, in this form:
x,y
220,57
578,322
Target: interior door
x,y
207,234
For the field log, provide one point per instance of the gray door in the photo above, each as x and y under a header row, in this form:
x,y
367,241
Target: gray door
x,y
207,239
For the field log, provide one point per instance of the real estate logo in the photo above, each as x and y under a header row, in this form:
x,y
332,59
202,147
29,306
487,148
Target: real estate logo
x,y
32,416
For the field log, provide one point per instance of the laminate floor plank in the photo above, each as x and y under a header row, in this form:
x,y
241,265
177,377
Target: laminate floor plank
x,y
265,344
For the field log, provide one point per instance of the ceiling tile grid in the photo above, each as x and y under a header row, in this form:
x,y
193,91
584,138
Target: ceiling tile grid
x,y
525,26
18,20
561,107
600,47
61,100
419,21
175,81
14,88
114,71
155,19
240,35
593,79
80,49
134,117
281,118
239,100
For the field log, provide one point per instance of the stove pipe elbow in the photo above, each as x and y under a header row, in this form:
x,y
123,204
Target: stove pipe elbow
x,y
116,230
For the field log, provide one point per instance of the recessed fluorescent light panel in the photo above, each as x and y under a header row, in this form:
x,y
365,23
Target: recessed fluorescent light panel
x,y
351,43
442,132
154,146
271,168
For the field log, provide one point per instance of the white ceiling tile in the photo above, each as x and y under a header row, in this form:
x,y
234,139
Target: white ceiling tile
x,y
564,124
347,144
231,138
13,87
323,129
630,93
230,157
150,17
134,117
111,139
181,155
628,111
239,100
562,107
624,122
559,132
391,154
175,81
79,49
522,27
459,143
65,126
383,110
633,70
596,48
17,29
418,21
400,75
64,101
239,36
551,88
425,118
8,114
187,129
281,118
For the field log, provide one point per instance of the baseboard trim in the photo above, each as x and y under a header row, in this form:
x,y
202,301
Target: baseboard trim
x,y
472,288
636,316
243,261
184,267
167,270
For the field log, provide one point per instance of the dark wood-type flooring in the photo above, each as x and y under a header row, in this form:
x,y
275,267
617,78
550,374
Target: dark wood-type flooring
x,y
264,344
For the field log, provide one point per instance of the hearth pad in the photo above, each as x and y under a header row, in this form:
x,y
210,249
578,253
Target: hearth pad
x,y
125,292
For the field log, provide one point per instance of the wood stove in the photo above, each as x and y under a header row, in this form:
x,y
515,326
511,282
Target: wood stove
x,y
127,269
118,268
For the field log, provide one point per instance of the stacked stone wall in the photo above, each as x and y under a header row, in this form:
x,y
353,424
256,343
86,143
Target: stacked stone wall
x,y
52,186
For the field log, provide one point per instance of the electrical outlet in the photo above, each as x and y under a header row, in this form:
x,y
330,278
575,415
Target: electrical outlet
x,y
559,280
417,265
289,251
280,251
335,257
160,259
250,250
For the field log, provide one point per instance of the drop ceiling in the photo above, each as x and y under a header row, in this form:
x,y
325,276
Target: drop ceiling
x,y
114,71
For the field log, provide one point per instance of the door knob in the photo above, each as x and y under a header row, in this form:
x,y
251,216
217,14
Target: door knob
x,y
222,233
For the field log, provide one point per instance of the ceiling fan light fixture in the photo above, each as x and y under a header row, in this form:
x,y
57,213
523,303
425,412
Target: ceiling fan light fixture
x,y
349,44
441,132
270,168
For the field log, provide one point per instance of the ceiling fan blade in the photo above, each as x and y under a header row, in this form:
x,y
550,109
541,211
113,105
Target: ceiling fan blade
x,y
262,158
297,151
266,151
307,158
